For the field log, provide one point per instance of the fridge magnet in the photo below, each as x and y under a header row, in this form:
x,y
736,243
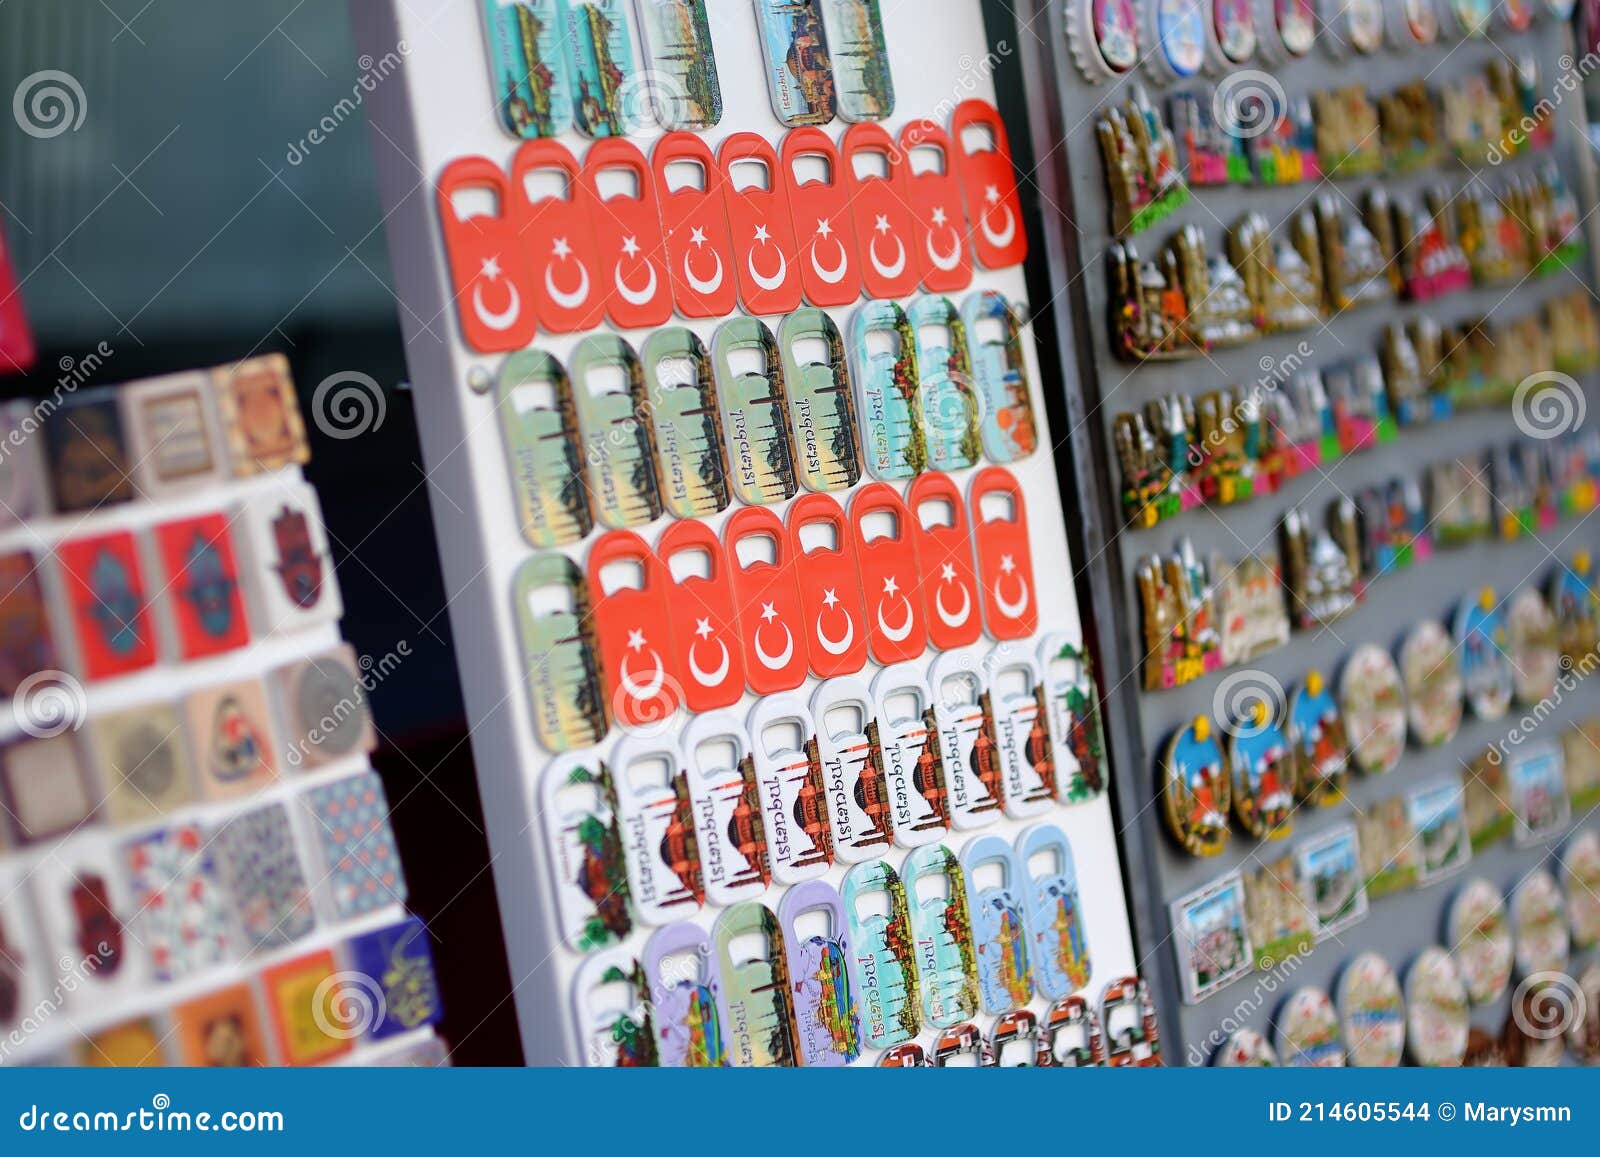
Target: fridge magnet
x,y
1176,32
946,962
754,406
691,459
325,712
1534,1036
631,591
1307,1031
947,389
230,729
1287,29
1540,807
1150,309
1072,1036
884,368
1436,1010
944,261
863,86
890,572
201,585
1230,34
1576,605
1021,733
1471,17
1488,796
1349,144
27,640
1006,420
1372,1013
1539,925
1209,934
605,93
221,1029
1246,1049
613,1011
1263,770
1322,566
618,452
1128,1016
1389,856
1015,1041
827,1027
729,835
656,821
1483,1051
755,1011
1580,872
761,572
1278,916
681,64
679,965
1478,934
965,741
24,486
1103,36
527,66
144,768
1482,640
1059,946
793,798
134,1044
290,583
1330,865
359,862
883,966
1438,813
1583,1036
173,437
1535,647
1144,181
1432,676
302,996
905,1056
1320,746
1414,23
822,413
578,803
961,1047
260,415
559,656
1196,792
794,44
1580,745
1211,154
1072,704
183,920
81,898
995,903
394,971
46,788
1372,702
266,881
1284,288
106,592
86,452
23,966
913,771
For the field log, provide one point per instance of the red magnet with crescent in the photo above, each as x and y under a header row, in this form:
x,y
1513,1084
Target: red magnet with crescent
x,y
694,219
943,255
830,591
990,183
766,256
897,630
487,268
822,225
880,207
943,540
764,589
633,628
705,621
557,240
627,234
1005,562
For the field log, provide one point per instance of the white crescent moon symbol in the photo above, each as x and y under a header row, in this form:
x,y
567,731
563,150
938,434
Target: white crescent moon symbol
x,y
959,618
703,677
837,646
703,285
888,272
947,261
635,296
1003,238
643,691
836,274
778,662
896,634
503,320
768,283
1011,610
567,300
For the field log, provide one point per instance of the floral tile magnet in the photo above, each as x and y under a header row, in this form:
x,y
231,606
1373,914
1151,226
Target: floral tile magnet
x,y
182,915
360,864
266,880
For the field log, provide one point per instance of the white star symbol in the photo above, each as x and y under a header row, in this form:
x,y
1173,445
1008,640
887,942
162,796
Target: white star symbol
x,y
939,217
1006,564
630,246
562,249
947,573
697,237
767,612
991,194
882,225
703,628
824,227
762,235
491,267
890,587
829,599
635,640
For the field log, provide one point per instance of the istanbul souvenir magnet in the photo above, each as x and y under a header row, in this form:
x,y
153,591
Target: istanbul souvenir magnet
x,y
961,1047
235,746
627,235
761,564
47,788
1195,789
1583,1035
578,807
260,415
789,780
706,647
1371,1012
200,578
560,658
619,457
913,772
822,413
1478,935
858,798
87,452
964,719
1246,1049
1482,639
679,965
680,63
173,434
324,708
1128,1014
951,407
944,545
359,861
1470,18
1262,766
864,89
494,301
729,834
691,461
1072,1035
1580,873
1516,14
1144,180
182,917
631,594
886,559
1308,1031
799,71
947,969
694,222
298,994
606,97
751,392
1103,36
827,1028
1437,812
656,822
527,66
1414,23
910,1055
553,230
883,365
1005,559
1278,914
883,964
1073,706
1286,29
990,183
1372,702
830,588
1210,937
1022,731
882,221
766,251
1059,945
1436,1010
289,580
539,424
1175,31
27,640
1330,866
111,616
995,902
756,1015
994,336
1540,806
1539,925
1321,747
1432,678
944,258
613,1012
136,1043
1364,24
819,204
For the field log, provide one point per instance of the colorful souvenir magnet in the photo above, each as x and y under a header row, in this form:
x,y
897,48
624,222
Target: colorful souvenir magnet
x,y
881,215
1414,22
1231,34
299,994
201,582
913,773
656,822
906,1056
555,233
767,254
111,616
1104,38
943,256
680,969
1072,1036
826,1025
1176,32
1372,702
946,964
1581,756
1363,24
1331,866
789,779
1073,706
235,745
1580,873
951,408
1432,677
883,357
1437,812
28,645
528,67
691,462
755,989
181,914
764,588
1278,914
494,303
1022,732
1436,1010
860,56
1015,1042
1262,767
886,560
1535,647
990,183
23,965
606,96
794,45
1482,639
1321,750
221,1029
995,900
950,592
706,645
266,880
80,896
822,412
87,452
612,1011
729,835
1195,790
858,800
694,223
1583,1034
1005,559
630,251
578,806
1478,934
1308,1031
1005,408
680,63
143,762
821,548
966,741
396,966
820,210
1540,806
260,415
1286,29
560,658
1471,17
24,487
1246,1049
1371,1012
173,433
633,611
1388,848
883,961
1576,606
1211,937
961,1047
1128,1014
619,460
1539,925
292,585
752,394
359,858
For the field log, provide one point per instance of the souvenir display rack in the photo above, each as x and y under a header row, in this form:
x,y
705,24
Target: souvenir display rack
x,y
1058,61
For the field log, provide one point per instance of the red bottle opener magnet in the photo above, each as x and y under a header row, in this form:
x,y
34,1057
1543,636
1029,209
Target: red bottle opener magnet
x,y
943,538
990,183
822,227
633,629
627,234
768,600
765,254
487,266
880,206
944,260
557,241
1010,605
830,592
897,629
695,222
705,620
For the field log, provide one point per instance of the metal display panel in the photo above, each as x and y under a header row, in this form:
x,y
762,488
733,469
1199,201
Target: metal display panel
x,y
1063,107
441,106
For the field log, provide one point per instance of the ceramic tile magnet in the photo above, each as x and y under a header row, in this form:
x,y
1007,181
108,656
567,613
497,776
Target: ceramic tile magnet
x,y
221,1029
1128,1014
827,1027
965,734
729,832
46,787
85,911
680,967
24,969
1072,1036
200,578
1478,935
950,587
289,581
656,821
913,773
1308,1031
1073,705
631,594
1195,789
947,969
106,593
691,458
174,436
559,656
1436,1010
1005,558
87,453
883,963
1371,1012
394,988
789,779
266,879
1438,814
748,367
182,917
1540,806
1021,731
28,642
1211,937
578,806
358,863
324,708
1372,702
300,994
143,763
1334,875
853,780
794,45
260,415
755,1007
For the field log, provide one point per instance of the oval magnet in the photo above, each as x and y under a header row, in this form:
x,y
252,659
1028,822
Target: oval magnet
x,y
694,220
1286,29
706,647
557,237
685,420
578,806
1176,31
1321,749
1060,941
820,209
852,769
1372,1014
951,408
765,253
608,96
1580,874
947,971
1103,36
1414,23
1021,732
1539,925
944,259
633,615
887,563
919,807
559,656
883,963
631,253
1262,769
1478,934
1005,400
999,933
1195,789
1372,701
822,415
494,301
1308,1031
1128,1014
1432,676
1016,1041
680,970
1437,1019
657,824
883,356
999,241
942,532
764,588
539,423
860,59
817,945
755,987
965,738
1535,647
1072,703
789,779
729,834
1072,1036
611,1011
750,390
619,463
1246,1049
1231,34
830,592
1005,559
881,216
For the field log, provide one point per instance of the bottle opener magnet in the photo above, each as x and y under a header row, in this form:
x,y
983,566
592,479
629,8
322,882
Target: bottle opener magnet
x,y
691,462
764,246
559,655
999,936
903,706
880,206
820,211
860,57
794,47
1004,556
695,224
706,648
1128,1017
961,1047
990,185
830,591
685,92
539,423
944,550
884,968
822,411
611,1009
946,968
657,826
1015,1042
852,769
934,193
750,390
1060,944
965,739
949,397
1021,732
1074,709
897,629
1001,373
618,458
1072,1036
578,803
680,968
729,834
627,234
528,65
556,238
768,599
789,778
633,624
487,266
606,98
883,355
755,989
827,1030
